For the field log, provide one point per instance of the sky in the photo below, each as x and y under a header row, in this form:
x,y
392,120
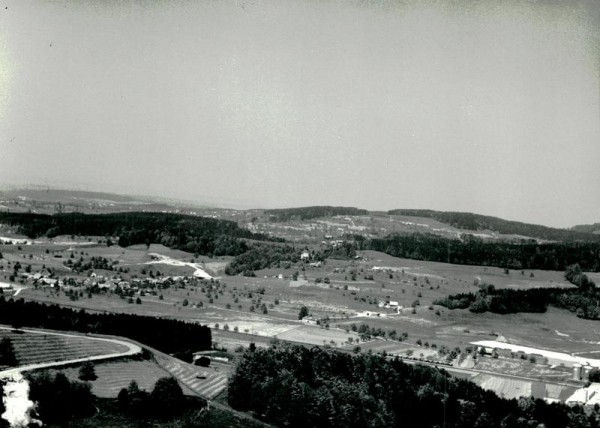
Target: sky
x,y
489,106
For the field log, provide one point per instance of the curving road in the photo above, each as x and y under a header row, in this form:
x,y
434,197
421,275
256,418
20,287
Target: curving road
x,y
132,349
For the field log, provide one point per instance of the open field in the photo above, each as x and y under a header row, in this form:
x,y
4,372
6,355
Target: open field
x,y
341,294
514,388
31,348
113,376
187,374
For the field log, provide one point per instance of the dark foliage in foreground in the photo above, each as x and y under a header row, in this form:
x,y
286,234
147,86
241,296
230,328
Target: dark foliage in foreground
x,y
470,221
307,213
7,353
166,335
164,402
300,387
475,251
58,399
189,233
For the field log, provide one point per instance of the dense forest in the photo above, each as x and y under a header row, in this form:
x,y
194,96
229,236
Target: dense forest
x,y
189,233
472,221
299,387
306,213
503,301
471,250
167,335
262,256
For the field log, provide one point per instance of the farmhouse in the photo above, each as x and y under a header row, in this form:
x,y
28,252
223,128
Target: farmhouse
x,y
305,255
587,397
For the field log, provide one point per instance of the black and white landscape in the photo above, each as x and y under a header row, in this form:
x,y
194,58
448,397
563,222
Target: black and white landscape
x,y
299,213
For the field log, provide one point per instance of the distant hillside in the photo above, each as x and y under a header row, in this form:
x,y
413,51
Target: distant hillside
x,y
472,221
305,213
587,228
189,233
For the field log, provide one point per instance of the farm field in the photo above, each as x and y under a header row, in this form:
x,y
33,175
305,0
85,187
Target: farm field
x,y
115,375
516,367
514,388
317,336
33,348
344,301
341,294
212,385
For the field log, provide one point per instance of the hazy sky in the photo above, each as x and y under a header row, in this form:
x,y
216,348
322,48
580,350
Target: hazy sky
x,y
484,106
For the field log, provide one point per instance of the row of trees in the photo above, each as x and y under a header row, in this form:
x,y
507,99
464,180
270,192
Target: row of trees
x,y
583,304
584,301
296,386
167,335
503,301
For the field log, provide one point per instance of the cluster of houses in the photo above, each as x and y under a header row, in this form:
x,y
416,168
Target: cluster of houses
x,y
148,285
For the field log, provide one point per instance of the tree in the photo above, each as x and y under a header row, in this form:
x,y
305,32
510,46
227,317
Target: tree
x,y
87,371
166,397
594,375
303,312
484,421
7,353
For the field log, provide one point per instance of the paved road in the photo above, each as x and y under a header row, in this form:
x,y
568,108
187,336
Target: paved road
x,y
132,349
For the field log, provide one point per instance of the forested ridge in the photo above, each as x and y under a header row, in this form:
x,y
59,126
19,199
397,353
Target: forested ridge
x,y
470,221
299,387
222,237
471,250
587,228
306,213
167,335
189,233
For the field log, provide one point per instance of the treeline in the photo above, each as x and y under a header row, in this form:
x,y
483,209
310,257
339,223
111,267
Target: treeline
x,y
584,300
189,233
297,387
306,213
471,250
472,221
167,335
503,301
575,276
583,304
